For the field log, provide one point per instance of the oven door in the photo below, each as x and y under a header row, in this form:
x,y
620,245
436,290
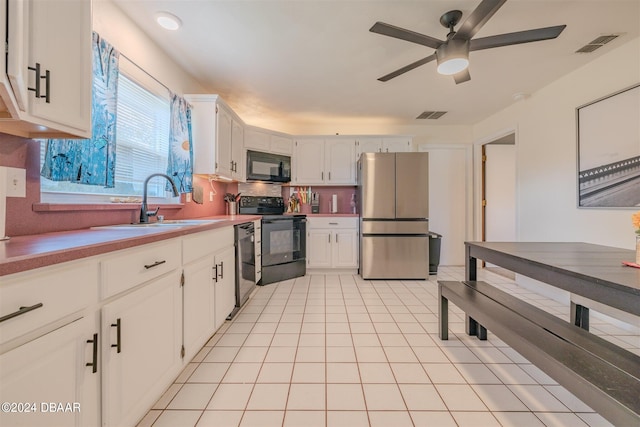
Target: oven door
x,y
283,240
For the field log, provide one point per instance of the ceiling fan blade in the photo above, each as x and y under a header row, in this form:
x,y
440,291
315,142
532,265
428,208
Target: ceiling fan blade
x,y
516,38
408,68
462,76
478,18
403,34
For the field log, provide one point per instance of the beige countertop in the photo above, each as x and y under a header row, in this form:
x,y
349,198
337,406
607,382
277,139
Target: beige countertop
x,y
22,253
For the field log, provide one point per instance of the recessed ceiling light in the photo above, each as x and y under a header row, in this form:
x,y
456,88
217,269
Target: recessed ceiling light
x,y
168,21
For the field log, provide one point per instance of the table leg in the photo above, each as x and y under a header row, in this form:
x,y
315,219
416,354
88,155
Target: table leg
x,y
580,315
443,315
470,274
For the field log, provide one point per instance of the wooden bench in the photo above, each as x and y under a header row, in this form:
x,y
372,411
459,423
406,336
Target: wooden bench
x,y
603,375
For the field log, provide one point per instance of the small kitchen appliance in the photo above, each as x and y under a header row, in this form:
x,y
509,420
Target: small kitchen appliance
x,y
315,202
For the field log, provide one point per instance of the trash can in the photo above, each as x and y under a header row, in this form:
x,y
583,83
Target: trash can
x,y
435,240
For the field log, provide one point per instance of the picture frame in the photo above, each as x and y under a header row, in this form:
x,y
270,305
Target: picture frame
x,y
608,151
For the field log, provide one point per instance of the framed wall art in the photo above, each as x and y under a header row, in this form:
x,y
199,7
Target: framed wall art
x,y
608,132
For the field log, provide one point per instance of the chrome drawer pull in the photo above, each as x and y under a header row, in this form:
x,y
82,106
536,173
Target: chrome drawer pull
x,y
155,264
20,312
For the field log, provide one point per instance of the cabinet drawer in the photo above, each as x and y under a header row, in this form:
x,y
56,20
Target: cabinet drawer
x,y
125,269
195,246
62,290
332,222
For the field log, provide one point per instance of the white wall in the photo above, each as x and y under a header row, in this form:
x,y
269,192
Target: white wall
x,y
126,37
546,155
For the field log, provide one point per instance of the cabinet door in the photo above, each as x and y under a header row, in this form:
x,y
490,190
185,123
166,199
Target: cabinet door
x,y
141,356
319,248
52,368
345,249
309,160
198,305
281,145
369,145
223,142
256,140
60,41
225,285
340,161
396,145
237,151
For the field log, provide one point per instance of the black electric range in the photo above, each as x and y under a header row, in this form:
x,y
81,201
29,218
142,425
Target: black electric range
x,y
284,238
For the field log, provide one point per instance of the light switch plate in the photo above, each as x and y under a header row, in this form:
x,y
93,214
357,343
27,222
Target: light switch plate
x,y
15,180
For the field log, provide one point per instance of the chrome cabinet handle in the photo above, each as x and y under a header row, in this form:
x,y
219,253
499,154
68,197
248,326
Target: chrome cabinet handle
x,y
39,77
118,326
336,237
333,223
222,269
215,276
155,264
94,359
20,312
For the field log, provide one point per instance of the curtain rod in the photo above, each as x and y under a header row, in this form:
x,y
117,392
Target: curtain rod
x,y
147,73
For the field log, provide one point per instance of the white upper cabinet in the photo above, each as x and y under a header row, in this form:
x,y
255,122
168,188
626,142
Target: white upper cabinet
x,y
213,127
47,86
325,161
383,145
237,151
268,142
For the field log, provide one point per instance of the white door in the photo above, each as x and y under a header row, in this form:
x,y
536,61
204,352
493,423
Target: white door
x,y
198,305
345,249
309,161
52,368
500,193
340,162
238,159
369,145
142,336
319,248
223,142
225,285
396,145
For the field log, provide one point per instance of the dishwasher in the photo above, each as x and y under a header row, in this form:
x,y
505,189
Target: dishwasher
x,y
245,264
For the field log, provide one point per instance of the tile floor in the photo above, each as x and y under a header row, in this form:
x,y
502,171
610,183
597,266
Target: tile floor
x,y
329,350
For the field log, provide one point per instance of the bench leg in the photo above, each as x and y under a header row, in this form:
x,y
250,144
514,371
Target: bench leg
x,y
471,326
443,315
580,315
482,333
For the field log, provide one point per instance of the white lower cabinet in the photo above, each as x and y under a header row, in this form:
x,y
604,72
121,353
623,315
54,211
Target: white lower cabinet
x,y
332,242
47,381
141,346
198,299
225,285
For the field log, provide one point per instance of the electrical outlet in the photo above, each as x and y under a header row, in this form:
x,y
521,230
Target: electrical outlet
x,y
211,196
15,181
188,197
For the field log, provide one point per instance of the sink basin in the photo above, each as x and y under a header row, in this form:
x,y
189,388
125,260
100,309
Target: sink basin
x,y
165,223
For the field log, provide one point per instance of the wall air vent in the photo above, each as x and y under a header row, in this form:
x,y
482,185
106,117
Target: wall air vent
x,y
597,43
431,115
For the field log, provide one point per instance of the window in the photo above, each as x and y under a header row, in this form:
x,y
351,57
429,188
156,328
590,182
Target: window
x,y
142,145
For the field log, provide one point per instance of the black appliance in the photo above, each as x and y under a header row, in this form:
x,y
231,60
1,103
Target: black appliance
x,y
245,264
268,167
283,238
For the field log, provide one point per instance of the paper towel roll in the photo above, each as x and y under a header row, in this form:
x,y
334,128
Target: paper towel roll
x,y
334,203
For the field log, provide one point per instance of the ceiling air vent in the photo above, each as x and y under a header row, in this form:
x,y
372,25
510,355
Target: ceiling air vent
x,y
431,115
597,43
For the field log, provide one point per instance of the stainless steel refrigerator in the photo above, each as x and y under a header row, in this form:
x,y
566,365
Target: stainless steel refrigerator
x,y
394,215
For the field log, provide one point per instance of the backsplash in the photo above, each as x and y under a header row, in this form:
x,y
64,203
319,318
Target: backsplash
x,y
23,219
260,189
342,193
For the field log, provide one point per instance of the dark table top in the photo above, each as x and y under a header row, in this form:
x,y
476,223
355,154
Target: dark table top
x,y
593,271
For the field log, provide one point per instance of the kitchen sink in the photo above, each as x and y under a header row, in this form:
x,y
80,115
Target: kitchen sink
x,y
166,223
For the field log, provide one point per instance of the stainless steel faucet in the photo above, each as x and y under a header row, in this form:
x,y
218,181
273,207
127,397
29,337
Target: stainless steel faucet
x,y
144,213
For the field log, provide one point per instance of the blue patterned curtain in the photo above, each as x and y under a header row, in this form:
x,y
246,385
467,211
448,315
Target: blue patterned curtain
x,y
91,161
180,166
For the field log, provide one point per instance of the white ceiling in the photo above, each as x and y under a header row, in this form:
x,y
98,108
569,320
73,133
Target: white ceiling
x,y
315,61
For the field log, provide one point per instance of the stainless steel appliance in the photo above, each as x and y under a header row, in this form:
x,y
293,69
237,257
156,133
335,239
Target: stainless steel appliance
x,y
268,167
394,215
283,238
245,264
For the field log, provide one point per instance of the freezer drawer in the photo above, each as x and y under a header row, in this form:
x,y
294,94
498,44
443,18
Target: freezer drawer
x,y
394,227
394,257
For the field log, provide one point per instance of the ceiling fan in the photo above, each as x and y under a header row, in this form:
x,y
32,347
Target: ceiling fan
x,y
452,54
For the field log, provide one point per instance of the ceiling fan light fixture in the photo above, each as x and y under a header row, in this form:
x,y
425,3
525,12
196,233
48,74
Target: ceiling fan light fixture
x,y
453,57
168,21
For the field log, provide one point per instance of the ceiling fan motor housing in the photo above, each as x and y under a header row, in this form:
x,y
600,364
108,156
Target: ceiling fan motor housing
x,y
453,56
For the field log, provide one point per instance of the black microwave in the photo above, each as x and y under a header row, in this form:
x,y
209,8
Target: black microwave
x,y
268,167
